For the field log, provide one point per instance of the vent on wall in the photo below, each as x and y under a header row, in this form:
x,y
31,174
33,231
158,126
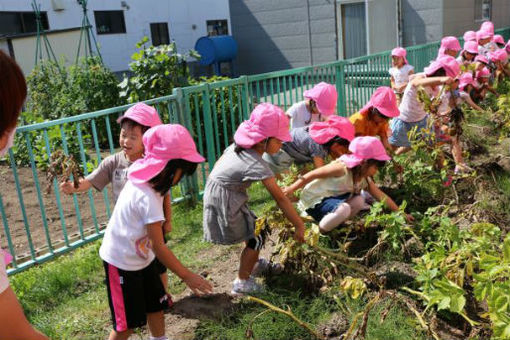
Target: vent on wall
x,y
57,5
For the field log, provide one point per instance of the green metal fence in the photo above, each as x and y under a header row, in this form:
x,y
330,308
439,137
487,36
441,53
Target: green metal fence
x,y
39,225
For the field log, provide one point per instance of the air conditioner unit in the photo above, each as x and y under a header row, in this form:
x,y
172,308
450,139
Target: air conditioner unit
x,y
58,5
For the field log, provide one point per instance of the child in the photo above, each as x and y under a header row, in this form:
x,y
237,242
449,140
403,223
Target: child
x,y
481,62
133,238
400,71
113,169
372,119
449,46
482,84
500,60
331,194
469,36
440,72
466,86
484,39
499,41
469,53
227,217
312,144
319,101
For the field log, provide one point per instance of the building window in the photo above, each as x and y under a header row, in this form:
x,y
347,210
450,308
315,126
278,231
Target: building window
x,y
21,22
159,34
110,22
483,10
217,27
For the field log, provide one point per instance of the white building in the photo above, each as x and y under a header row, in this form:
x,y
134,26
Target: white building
x,y
117,25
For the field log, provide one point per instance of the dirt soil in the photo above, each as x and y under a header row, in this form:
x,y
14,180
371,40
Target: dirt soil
x,y
34,220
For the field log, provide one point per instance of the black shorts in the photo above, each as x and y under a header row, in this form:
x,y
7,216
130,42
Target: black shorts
x,y
160,267
133,294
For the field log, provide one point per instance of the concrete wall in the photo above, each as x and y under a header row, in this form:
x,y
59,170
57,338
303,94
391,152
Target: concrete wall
x,y
117,48
459,16
422,21
382,22
275,35
24,48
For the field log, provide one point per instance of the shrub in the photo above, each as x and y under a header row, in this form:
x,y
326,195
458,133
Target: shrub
x,y
156,71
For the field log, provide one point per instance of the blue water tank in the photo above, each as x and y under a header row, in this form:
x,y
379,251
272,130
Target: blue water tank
x,y
216,49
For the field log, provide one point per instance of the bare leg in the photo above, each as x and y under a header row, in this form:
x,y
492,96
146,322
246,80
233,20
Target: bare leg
x,y
156,323
334,219
356,203
401,150
457,151
120,335
249,258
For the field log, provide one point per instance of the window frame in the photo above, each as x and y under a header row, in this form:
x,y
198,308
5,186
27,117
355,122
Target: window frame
x,y
157,24
479,10
21,18
212,21
123,28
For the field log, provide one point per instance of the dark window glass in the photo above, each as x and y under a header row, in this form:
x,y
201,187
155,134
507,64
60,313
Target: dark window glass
x,y
21,22
217,27
483,10
110,22
159,33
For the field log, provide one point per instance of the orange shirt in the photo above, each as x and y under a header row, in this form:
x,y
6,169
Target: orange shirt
x,y
367,127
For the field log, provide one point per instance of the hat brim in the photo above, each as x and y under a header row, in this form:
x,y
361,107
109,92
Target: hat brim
x,y
194,158
145,169
351,160
327,111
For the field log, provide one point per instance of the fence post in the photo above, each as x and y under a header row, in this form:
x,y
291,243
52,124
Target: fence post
x,y
245,92
189,184
209,135
340,87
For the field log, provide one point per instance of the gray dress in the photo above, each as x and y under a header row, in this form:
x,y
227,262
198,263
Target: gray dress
x,y
227,218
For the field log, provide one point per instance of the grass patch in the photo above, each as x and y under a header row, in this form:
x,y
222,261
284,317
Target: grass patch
x,y
66,298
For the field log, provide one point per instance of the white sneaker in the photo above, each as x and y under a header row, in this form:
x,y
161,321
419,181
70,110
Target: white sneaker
x,y
265,267
240,287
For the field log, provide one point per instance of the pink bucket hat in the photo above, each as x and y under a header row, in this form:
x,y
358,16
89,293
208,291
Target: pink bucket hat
x,y
498,39
143,114
448,63
499,55
483,73
362,148
465,80
266,120
399,52
481,58
323,132
471,47
163,143
384,100
5,256
469,36
448,43
482,34
487,26
325,96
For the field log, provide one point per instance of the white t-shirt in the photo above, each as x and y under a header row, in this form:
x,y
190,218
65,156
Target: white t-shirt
x,y
401,75
126,244
300,116
410,109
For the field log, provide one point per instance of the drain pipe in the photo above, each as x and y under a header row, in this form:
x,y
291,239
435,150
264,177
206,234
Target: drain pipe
x,y
400,24
367,26
309,32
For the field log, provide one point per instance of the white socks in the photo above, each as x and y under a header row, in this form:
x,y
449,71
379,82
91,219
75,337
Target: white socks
x,y
158,338
344,211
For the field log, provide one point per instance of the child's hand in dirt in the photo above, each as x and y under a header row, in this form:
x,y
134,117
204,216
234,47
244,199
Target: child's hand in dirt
x,y
198,285
299,235
67,187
